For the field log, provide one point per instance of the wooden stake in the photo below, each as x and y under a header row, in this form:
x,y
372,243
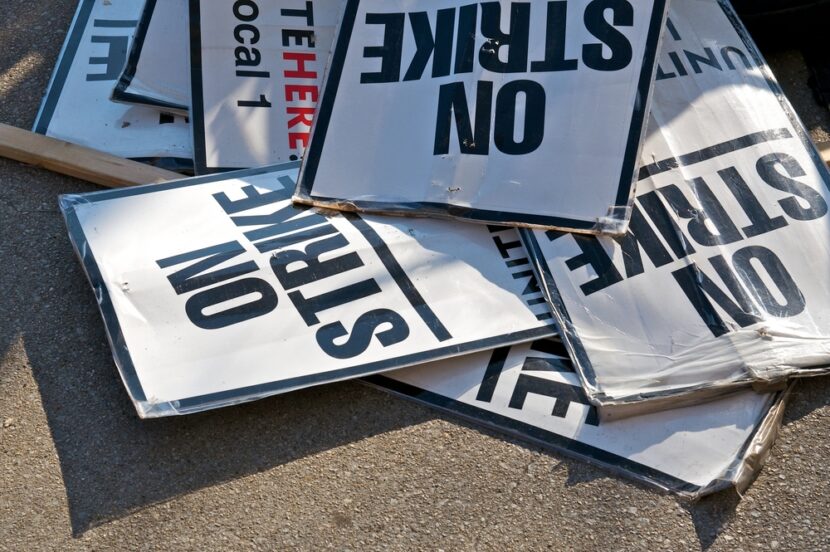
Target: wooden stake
x,y
77,161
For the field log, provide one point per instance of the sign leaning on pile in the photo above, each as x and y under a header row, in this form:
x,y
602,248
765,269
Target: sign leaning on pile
x,y
720,277
531,391
157,69
522,113
77,106
257,67
217,290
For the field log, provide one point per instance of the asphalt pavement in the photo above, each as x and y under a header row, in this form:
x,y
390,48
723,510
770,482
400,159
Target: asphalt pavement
x,y
339,466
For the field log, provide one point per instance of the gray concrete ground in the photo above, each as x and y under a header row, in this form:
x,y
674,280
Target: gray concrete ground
x,y
339,466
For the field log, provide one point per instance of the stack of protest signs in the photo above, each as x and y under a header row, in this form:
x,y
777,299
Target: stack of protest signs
x,y
582,223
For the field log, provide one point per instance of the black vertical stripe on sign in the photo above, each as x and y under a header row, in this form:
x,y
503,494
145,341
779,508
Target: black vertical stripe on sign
x,y
396,271
64,65
491,374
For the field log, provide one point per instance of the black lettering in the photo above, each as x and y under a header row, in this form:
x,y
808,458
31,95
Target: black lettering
x,y
390,52
193,277
253,198
593,254
247,57
245,27
678,64
298,35
794,302
307,13
564,394
555,27
712,211
362,333
253,10
767,167
214,297
452,99
534,117
697,286
114,60
465,45
516,39
428,45
761,221
308,307
608,35
695,60
725,54
640,235
262,102
313,268
666,225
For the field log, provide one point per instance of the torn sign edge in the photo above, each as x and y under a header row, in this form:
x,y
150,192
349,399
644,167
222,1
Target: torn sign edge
x,y
60,73
740,474
122,93
614,222
123,359
662,399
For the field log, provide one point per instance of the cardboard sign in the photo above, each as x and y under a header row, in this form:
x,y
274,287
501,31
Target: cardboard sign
x,y
531,391
157,72
720,277
77,106
217,290
523,113
257,70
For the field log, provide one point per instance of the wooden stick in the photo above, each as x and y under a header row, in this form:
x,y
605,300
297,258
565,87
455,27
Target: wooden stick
x,y
78,161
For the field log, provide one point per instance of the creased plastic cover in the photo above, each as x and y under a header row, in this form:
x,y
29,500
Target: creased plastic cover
x,y
157,71
257,70
217,290
521,113
720,279
77,106
532,392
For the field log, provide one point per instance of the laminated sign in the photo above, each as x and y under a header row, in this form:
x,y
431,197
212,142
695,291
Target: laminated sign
x,y
524,113
158,66
531,391
217,290
257,70
77,106
722,276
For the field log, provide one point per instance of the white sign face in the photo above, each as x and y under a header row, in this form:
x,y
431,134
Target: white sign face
x,y
720,278
257,70
77,106
531,391
218,290
157,72
524,113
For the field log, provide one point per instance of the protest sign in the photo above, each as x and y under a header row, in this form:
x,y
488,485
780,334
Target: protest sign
x,y
77,106
531,391
522,113
157,70
256,73
720,277
217,290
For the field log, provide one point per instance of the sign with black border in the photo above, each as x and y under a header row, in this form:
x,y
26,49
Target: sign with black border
x,y
530,391
77,106
216,290
378,146
256,71
158,67
711,287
